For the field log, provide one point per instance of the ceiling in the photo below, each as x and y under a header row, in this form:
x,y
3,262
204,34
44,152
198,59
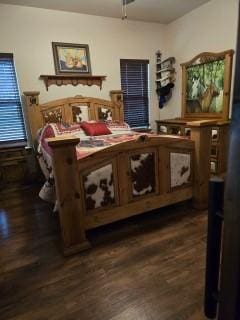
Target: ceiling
x,y
162,11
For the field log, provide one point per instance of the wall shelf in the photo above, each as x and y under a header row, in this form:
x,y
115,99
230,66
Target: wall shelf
x,y
60,80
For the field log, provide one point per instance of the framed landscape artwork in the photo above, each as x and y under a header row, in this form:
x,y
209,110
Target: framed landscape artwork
x,y
71,58
207,85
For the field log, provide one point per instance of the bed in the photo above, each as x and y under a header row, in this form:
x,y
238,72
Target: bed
x,y
116,176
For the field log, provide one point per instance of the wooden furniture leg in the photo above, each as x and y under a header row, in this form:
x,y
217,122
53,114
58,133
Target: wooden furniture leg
x,y
68,194
201,135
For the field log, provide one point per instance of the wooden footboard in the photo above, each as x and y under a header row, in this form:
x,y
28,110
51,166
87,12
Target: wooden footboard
x,y
127,179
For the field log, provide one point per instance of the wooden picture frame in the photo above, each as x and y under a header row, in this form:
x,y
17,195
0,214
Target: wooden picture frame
x,y
206,85
71,59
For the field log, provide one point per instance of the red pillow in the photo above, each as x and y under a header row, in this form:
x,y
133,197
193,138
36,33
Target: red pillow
x,y
95,128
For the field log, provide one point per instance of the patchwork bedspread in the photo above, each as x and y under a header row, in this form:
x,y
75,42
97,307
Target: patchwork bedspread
x,y
94,144
86,147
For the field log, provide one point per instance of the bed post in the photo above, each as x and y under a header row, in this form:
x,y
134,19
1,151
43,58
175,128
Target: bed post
x,y
34,115
68,194
117,99
201,135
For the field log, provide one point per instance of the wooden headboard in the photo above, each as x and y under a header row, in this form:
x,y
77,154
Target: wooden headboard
x,y
73,109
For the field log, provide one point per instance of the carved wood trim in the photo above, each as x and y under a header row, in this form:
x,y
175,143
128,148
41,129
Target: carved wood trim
x,y
208,56
74,80
36,110
203,58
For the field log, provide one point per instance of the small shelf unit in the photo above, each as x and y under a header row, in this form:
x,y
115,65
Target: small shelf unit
x,y
74,80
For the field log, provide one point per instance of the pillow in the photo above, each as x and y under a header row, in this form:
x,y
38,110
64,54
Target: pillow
x,y
65,128
52,130
117,125
46,132
95,128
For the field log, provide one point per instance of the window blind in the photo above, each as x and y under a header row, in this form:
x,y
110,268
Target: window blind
x,y
12,127
134,83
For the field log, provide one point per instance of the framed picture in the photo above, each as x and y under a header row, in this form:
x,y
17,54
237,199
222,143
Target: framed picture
x,y
206,85
71,58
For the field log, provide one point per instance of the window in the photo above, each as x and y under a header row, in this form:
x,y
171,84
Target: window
x,y
11,118
134,82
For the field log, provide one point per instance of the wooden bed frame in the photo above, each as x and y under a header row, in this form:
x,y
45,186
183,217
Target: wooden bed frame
x,y
75,218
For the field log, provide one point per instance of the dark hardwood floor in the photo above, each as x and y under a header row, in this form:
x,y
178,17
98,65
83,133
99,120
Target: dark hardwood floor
x,y
149,267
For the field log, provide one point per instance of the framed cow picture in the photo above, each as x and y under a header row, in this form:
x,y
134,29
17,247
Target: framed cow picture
x,y
206,85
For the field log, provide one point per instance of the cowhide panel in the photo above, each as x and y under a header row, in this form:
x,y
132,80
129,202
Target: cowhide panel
x,y
180,168
52,116
143,174
99,188
80,113
104,114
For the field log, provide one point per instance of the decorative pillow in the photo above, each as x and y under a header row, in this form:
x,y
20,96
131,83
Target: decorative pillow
x,y
95,128
46,132
117,125
52,130
65,128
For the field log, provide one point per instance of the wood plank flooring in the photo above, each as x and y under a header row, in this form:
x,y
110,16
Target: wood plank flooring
x,y
149,267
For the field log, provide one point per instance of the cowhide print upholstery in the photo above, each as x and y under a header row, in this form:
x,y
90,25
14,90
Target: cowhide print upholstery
x,y
143,174
52,116
180,168
99,188
104,114
80,113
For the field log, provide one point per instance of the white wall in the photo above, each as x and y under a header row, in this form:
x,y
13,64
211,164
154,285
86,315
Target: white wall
x,y
28,33
212,27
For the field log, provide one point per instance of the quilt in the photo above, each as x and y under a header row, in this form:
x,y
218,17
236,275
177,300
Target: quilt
x,y
88,145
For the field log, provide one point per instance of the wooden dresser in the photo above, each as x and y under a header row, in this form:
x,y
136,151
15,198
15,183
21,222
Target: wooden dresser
x,y
219,140
206,87
14,167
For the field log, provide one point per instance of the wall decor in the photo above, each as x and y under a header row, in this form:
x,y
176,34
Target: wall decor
x,y
206,85
165,78
71,58
72,79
